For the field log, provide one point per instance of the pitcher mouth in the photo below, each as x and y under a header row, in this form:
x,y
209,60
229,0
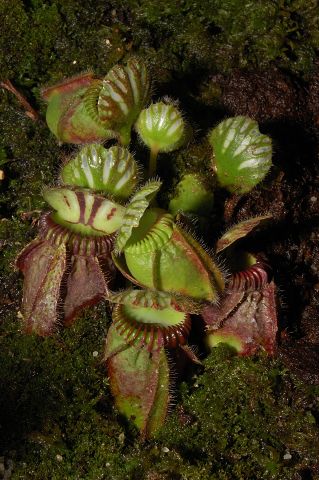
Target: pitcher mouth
x,y
155,230
152,318
78,244
144,326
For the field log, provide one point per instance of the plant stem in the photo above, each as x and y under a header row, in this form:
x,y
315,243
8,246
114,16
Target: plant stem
x,y
29,111
125,136
152,163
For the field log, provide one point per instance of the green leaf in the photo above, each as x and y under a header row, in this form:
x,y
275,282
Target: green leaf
x,y
135,211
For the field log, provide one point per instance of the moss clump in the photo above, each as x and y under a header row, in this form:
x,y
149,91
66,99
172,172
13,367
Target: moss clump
x,y
57,416
13,234
229,34
32,160
241,418
244,418
67,37
176,36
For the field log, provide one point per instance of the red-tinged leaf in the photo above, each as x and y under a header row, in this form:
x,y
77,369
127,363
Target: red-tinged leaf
x,y
215,315
239,329
72,114
139,381
69,86
246,321
43,266
240,230
86,286
22,259
267,318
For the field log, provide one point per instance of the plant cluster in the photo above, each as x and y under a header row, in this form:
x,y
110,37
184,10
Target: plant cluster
x,y
103,220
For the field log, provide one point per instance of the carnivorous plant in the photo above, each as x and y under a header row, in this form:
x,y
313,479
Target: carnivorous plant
x,y
102,224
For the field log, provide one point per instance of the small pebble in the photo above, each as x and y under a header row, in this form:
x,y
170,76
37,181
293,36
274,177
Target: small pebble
x,y
165,449
287,456
59,457
313,199
95,353
107,464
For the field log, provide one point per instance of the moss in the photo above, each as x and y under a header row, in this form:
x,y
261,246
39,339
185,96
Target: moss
x,y
67,37
58,420
13,234
244,416
228,34
177,37
56,409
15,18
32,159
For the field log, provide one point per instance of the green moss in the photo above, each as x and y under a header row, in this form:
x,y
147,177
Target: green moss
x,y
228,34
15,19
56,409
32,159
244,415
13,235
67,37
237,420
